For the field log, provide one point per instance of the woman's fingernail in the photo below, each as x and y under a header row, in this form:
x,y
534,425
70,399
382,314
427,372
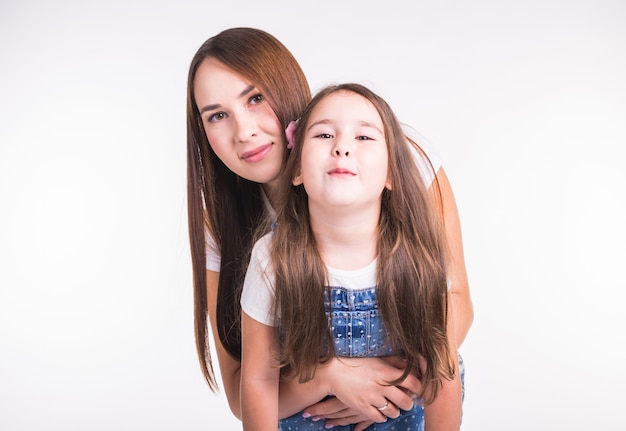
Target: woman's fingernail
x,y
329,426
316,418
306,415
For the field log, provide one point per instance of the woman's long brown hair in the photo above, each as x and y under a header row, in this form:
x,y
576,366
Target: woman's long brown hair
x,y
219,201
412,282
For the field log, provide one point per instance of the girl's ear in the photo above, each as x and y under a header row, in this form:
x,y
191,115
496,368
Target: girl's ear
x,y
388,184
297,180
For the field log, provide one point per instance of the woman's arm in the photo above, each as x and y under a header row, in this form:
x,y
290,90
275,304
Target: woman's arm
x,y
461,303
353,382
259,375
230,367
359,384
356,383
444,414
349,379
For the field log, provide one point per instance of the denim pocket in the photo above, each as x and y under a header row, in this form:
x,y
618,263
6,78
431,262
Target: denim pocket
x,y
356,324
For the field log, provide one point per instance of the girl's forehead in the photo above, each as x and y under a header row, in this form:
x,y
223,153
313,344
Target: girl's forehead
x,y
346,106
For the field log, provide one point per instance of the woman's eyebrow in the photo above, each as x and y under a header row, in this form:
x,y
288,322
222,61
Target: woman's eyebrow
x,y
245,91
209,108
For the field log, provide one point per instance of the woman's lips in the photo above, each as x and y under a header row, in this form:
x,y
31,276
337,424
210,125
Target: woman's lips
x,y
257,154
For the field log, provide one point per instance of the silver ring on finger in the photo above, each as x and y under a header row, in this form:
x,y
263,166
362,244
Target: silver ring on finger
x,y
383,407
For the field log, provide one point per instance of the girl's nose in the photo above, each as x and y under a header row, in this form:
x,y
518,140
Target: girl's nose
x,y
341,147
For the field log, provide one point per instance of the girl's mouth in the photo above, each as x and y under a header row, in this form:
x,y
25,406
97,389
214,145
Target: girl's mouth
x,y
341,171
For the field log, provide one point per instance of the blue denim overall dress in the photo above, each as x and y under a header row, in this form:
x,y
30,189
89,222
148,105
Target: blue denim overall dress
x,y
357,330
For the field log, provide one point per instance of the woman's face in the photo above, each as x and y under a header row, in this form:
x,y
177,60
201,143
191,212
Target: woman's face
x,y
239,123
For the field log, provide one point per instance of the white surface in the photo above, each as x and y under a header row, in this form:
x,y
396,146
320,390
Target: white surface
x,y
525,101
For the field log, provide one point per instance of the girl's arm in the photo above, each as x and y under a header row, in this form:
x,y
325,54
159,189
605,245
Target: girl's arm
x,y
461,303
350,406
260,375
351,378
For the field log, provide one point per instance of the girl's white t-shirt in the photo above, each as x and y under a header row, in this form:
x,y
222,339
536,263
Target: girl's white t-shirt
x,y
257,295
428,167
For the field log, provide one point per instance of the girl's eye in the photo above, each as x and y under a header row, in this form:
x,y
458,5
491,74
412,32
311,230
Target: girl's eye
x,y
324,136
216,117
256,99
363,138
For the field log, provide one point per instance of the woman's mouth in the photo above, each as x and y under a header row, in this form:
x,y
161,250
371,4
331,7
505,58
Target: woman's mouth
x,y
257,154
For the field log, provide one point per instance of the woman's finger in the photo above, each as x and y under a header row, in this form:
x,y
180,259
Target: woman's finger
x,y
388,409
399,399
329,407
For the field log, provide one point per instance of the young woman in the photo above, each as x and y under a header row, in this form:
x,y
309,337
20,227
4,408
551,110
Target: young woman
x,y
244,87
355,266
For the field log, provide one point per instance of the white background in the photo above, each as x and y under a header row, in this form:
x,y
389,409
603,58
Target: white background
x,y
524,100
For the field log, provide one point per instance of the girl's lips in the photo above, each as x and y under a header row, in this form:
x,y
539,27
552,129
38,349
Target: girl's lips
x,y
340,171
257,154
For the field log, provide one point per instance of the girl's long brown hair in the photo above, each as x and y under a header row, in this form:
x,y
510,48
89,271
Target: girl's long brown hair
x,y
221,202
412,283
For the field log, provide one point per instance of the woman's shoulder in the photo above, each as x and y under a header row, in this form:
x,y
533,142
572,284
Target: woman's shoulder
x,y
428,159
261,248
213,256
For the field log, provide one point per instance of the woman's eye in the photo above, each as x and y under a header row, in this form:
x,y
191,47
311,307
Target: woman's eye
x,y
216,117
256,99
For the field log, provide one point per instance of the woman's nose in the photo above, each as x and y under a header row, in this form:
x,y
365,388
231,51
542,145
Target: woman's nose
x,y
245,127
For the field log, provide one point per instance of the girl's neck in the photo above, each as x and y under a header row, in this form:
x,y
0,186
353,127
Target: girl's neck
x,y
344,241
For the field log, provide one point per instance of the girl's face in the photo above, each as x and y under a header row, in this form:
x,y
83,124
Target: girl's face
x,y
242,129
344,155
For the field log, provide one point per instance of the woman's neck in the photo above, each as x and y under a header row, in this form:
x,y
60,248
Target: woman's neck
x,y
270,192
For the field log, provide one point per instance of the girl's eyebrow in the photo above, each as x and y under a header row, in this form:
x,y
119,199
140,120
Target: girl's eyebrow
x,y
325,121
245,91
362,123
372,125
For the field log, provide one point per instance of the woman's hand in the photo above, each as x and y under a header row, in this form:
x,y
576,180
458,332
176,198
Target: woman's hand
x,y
361,390
335,412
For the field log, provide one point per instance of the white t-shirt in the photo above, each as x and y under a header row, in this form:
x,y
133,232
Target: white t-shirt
x,y
258,286
213,254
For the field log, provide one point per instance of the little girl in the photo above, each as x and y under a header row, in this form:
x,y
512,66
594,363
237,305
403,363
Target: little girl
x,y
354,266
